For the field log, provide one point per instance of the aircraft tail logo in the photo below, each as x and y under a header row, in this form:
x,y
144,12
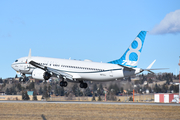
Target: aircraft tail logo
x,y
132,54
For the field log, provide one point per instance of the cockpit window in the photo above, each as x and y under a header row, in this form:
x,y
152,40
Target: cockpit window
x,y
16,61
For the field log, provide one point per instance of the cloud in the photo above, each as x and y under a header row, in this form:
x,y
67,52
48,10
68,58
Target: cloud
x,y
170,24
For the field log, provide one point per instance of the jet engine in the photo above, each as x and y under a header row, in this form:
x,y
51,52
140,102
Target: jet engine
x,y
46,75
40,74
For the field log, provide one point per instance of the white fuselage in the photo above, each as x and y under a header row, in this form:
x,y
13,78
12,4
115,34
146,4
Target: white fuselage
x,y
80,70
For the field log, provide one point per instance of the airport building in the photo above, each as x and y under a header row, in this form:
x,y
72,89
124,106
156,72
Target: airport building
x,y
166,98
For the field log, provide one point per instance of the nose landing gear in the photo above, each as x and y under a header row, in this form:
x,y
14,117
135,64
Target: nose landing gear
x,y
23,78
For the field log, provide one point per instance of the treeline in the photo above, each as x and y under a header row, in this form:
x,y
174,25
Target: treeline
x,y
112,89
165,88
48,89
168,77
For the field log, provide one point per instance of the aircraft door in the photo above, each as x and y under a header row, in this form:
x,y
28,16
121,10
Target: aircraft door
x,y
26,67
111,73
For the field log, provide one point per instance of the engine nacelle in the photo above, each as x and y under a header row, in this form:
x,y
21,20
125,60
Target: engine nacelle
x,y
40,74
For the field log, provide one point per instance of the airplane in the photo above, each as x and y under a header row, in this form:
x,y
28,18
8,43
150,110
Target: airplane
x,y
43,68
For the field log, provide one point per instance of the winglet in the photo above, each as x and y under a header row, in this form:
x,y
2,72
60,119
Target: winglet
x,y
149,67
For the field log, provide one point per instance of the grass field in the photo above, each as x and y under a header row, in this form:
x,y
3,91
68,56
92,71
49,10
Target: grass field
x,y
53,111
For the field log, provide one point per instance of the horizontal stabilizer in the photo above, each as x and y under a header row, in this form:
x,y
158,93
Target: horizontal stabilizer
x,y
155,69
149,70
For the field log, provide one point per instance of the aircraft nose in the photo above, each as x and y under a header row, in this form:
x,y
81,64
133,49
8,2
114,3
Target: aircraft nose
x,y
13,66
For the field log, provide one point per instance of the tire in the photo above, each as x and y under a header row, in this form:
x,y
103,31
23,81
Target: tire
x,y
85,85
61,84
81,85
65,84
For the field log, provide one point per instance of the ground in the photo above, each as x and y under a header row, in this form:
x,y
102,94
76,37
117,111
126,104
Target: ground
x,y
44,111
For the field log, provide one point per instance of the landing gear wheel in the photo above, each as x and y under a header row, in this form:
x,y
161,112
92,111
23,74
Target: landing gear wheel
x,y
63,84
22,79
83,85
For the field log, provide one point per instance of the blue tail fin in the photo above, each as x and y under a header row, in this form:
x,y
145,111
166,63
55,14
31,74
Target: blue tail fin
x,y
132,54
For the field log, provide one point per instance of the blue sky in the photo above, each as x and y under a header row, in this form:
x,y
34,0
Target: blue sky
x,y
96,30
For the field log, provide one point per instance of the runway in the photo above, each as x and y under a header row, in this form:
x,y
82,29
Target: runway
x,y
80,102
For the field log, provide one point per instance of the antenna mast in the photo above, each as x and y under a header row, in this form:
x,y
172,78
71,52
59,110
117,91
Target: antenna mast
x,y
179,79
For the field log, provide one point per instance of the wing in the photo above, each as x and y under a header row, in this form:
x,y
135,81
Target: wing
x,y
48,69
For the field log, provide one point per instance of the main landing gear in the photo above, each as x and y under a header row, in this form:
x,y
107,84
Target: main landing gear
x,y
63,83
83,85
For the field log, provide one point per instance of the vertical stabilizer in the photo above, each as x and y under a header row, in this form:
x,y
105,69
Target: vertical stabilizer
x,y
29,56
149,67
132,54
